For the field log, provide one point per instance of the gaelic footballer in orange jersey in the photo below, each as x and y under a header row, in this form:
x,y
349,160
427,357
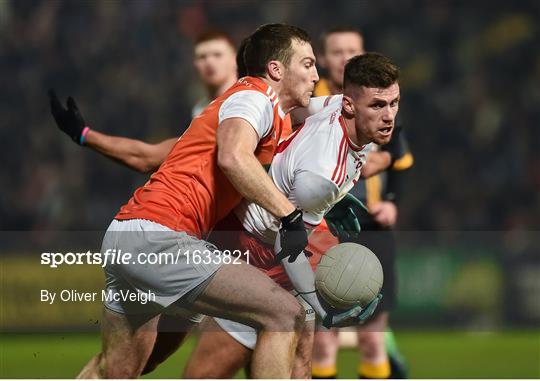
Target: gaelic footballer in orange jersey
x,y
189,192
192,190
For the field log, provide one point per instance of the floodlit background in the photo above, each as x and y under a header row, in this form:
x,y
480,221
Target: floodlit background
x,y
469,252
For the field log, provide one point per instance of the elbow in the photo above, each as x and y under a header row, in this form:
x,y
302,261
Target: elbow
x,y
145,169
228,161
141,166
148,160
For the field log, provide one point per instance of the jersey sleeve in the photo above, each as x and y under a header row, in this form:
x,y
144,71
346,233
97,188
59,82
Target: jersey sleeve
x,y
403,155
315,105
313,194
252,106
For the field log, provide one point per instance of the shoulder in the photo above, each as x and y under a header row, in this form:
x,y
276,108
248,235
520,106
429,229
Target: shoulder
x,y
312,188
253,106
249,98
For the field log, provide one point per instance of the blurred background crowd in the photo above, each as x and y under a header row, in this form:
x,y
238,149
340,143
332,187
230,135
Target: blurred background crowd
x,y
469,214
470,99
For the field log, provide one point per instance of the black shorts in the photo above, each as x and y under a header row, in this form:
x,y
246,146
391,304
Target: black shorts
x,y
382,242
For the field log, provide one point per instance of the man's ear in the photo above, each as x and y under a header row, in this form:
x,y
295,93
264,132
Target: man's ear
x,y
275,70
348,106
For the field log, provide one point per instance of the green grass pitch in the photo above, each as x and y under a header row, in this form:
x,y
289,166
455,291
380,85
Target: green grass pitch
x,y
430,355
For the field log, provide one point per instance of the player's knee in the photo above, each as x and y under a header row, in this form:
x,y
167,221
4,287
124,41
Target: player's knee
x,y
298,316
289,317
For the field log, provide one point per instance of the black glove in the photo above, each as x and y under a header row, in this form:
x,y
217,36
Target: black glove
x,y
68,120
293,236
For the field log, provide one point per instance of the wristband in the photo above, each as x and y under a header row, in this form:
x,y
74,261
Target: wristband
x,y
291,219
83,135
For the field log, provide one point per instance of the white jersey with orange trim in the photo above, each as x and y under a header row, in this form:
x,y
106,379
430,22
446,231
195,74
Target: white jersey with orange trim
x,y
315,168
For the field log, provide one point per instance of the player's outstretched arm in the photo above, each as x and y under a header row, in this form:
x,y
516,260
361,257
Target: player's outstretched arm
x,y
135,154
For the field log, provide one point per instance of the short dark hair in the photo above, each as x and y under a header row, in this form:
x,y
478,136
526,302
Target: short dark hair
x,y
240,65
338,29
271,42
370,70
214,34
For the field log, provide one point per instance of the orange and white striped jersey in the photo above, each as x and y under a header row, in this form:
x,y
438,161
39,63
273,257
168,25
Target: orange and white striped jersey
x,y
189,192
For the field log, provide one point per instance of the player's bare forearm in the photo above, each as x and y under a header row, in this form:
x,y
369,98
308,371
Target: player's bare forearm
x,y
135,154
376,162
248,176
237,141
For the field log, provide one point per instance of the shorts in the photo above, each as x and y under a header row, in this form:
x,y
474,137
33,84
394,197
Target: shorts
x,y
246,335
262,256
229,234
167,284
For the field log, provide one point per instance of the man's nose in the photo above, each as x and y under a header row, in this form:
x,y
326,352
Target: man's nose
x,y
389,114
316,76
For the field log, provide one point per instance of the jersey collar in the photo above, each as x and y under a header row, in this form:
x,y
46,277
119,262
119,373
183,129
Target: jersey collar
x,y
268,90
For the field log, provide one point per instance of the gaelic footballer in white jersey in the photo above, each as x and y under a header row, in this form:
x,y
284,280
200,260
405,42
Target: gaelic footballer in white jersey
x,y
315,168
319,164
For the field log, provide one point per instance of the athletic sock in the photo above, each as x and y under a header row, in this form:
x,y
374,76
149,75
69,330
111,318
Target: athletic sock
x,y
391,346
398,365
379,371
323,371
390,341
397,368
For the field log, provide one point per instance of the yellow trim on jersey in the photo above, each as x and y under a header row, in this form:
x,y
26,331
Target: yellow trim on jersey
x,y
323,371
321,88
373,190
404,162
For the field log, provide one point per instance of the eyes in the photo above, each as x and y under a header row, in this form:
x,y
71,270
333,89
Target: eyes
x,y
345,52
381,104
206,56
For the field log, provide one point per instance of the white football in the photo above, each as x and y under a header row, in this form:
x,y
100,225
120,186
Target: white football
x,y
349,274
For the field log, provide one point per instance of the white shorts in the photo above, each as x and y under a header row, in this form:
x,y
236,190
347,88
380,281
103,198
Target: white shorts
x,y
246,335
169,285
